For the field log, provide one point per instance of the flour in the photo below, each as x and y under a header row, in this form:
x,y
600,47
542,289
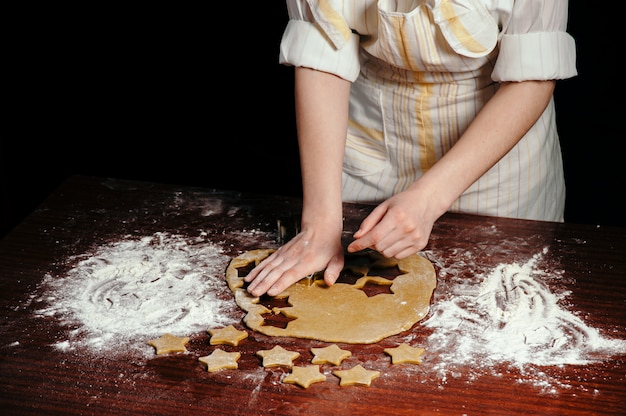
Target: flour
x,y
115,299
512,317
134,289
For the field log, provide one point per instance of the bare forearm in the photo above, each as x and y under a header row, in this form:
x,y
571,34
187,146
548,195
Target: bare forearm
x,y
322,117
322,120
499,126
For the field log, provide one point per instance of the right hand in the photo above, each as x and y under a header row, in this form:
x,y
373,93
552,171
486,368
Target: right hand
x,y
308,252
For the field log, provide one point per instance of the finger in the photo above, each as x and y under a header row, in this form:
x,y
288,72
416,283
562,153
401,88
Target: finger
x,y
409,251
284,281
374,239
279,278
371,221
262,266
264,281
361,244
331,274
394,250
254,273
265,272
411,248
401,248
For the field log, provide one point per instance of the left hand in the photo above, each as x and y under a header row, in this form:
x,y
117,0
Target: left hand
x,y
398,227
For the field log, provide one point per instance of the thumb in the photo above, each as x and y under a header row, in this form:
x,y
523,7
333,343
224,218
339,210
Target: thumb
x,y
331,274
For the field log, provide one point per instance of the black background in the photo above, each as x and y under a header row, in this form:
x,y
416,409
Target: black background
x,y
195,96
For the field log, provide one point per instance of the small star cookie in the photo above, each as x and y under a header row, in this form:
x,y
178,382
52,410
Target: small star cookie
x,y
228,335
405,354
278,356
220,360
304,376
167,343
356,375
329,355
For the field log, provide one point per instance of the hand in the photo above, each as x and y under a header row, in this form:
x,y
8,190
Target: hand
x,y
307,253
398,227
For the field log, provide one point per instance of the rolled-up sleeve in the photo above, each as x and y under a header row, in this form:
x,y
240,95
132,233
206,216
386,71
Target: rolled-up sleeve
x,y
319,39
535,44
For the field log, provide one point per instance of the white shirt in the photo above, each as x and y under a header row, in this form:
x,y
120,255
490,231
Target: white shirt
x,y
420,72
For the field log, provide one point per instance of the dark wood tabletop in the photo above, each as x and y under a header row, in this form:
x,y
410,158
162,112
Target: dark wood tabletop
x,y
582,266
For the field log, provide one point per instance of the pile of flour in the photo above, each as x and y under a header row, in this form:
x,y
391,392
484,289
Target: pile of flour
x,y
511,316
130,290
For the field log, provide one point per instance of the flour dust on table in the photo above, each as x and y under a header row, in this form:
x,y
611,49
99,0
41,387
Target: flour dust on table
x,y
135,288
505,318
509,315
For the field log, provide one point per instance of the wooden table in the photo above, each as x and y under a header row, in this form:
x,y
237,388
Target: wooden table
x,y
36,378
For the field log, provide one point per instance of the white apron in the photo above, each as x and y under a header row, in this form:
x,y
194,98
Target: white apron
x,y
425,69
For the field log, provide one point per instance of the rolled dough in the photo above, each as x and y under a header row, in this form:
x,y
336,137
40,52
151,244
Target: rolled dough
x,y
342,312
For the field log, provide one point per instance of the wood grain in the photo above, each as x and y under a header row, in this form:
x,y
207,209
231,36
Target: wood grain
x,y
36,378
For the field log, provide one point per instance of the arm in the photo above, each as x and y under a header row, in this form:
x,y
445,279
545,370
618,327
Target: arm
x,y
401,225
321,117
322,120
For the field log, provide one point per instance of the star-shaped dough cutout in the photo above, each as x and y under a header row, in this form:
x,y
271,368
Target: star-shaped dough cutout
x,y
278,356
167,343
227,335
329,355
357,375
304,376
220,360
405,354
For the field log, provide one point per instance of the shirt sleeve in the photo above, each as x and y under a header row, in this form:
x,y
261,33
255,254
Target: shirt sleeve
x,y
318,37
535,44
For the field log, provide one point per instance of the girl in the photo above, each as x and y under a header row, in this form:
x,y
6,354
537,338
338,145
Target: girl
x,y
419,106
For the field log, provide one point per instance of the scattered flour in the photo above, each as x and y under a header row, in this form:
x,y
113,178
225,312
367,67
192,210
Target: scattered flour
x,y
512,317
130,290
